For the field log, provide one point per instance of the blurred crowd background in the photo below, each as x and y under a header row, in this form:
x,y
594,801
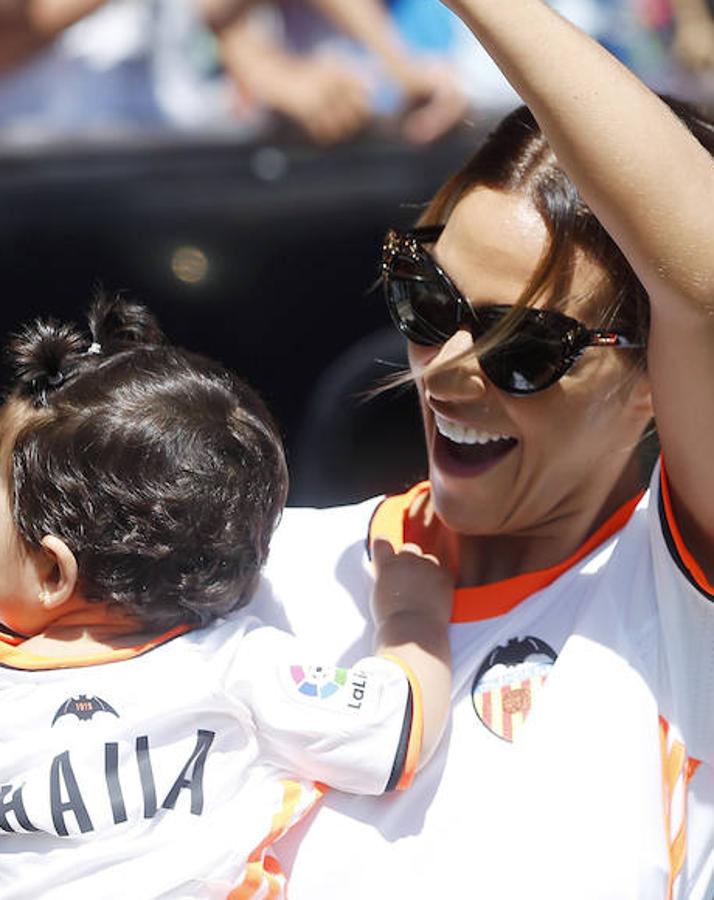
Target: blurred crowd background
x,y
330,67
234,164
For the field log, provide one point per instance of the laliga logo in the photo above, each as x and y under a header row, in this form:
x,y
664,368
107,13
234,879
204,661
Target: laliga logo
x,y
507,683
318,681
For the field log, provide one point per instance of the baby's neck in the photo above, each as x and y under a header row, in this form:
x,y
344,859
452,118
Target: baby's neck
x,y
94,630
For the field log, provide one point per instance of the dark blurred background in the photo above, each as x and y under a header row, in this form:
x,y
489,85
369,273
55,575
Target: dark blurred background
x,y
253,234
263,256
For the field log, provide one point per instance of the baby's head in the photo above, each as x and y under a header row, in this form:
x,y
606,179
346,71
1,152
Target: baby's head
x,y
160,470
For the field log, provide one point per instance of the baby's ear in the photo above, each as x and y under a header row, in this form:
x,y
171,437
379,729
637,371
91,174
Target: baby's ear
x,y
60,572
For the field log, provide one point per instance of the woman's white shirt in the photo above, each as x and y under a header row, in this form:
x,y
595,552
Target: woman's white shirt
x,y
579,761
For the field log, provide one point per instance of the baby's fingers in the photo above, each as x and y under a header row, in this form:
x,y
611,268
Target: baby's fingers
x,y
416,550
382,551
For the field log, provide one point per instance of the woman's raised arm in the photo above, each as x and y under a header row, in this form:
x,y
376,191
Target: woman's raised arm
x,y
651,184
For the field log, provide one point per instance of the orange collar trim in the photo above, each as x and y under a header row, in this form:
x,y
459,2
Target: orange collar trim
x,y
474,604
9,638
13,656
692,567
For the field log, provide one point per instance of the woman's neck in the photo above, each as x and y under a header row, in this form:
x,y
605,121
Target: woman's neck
x,y
485,559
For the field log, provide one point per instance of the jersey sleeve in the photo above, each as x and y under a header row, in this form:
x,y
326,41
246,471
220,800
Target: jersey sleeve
x,y
685,601
356,729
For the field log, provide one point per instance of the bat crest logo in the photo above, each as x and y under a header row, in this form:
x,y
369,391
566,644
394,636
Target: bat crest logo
x,y
507,683
84,708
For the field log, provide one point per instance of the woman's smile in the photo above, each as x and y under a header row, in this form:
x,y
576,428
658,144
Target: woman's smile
x,y
467,451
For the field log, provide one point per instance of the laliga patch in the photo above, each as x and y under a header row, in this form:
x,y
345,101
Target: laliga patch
x,y
330,686
508,682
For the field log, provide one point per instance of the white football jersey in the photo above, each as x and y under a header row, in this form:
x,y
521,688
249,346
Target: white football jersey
x,y
167,770
579,760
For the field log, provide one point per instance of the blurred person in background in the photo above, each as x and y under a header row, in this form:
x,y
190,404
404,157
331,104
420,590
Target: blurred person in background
x,y
669,44
94,63
694,33
26,27
71,65
331,66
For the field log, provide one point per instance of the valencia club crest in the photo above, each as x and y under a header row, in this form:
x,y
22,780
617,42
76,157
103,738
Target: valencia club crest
x,y
507,683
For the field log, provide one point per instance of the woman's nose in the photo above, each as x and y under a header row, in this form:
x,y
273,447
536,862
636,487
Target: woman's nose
x,y
453,373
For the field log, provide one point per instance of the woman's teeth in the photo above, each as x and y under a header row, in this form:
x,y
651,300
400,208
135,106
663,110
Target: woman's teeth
x,y
463,434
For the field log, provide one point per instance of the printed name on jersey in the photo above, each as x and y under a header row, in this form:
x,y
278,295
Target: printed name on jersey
x,y
70,804
84,708
507,682
339,688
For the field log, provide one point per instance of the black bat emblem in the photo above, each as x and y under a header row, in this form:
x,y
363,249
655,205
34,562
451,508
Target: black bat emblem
x,y
513,653
84,708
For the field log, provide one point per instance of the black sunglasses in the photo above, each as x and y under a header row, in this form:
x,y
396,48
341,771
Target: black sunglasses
x,y
428,309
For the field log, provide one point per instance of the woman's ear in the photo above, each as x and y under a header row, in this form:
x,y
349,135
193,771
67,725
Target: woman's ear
x,y
60,572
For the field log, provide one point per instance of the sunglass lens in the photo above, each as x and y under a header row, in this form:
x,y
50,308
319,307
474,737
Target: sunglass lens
x,y
421,306
530,360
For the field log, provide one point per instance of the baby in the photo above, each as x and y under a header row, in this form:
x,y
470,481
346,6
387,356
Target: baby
x,y
156,738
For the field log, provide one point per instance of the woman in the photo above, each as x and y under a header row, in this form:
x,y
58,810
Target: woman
x,y
580,761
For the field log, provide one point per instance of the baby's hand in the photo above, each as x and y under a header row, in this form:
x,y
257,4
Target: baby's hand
x,y
410,581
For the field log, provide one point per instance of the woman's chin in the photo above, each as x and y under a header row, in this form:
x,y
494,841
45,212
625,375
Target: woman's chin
x,y
467,488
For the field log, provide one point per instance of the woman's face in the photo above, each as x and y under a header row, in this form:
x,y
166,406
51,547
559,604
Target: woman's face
x,y
503,464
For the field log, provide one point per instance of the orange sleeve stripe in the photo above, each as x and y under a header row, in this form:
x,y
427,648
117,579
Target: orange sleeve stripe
x,y
285,818
688,561
675,765
261,881
692,766
263,870
416,733
251,883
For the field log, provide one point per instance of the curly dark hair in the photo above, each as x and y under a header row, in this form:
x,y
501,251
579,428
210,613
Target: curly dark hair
x,y
161,470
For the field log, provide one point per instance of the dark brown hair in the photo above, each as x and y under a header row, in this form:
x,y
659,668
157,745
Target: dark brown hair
x,y
160,469
517,158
